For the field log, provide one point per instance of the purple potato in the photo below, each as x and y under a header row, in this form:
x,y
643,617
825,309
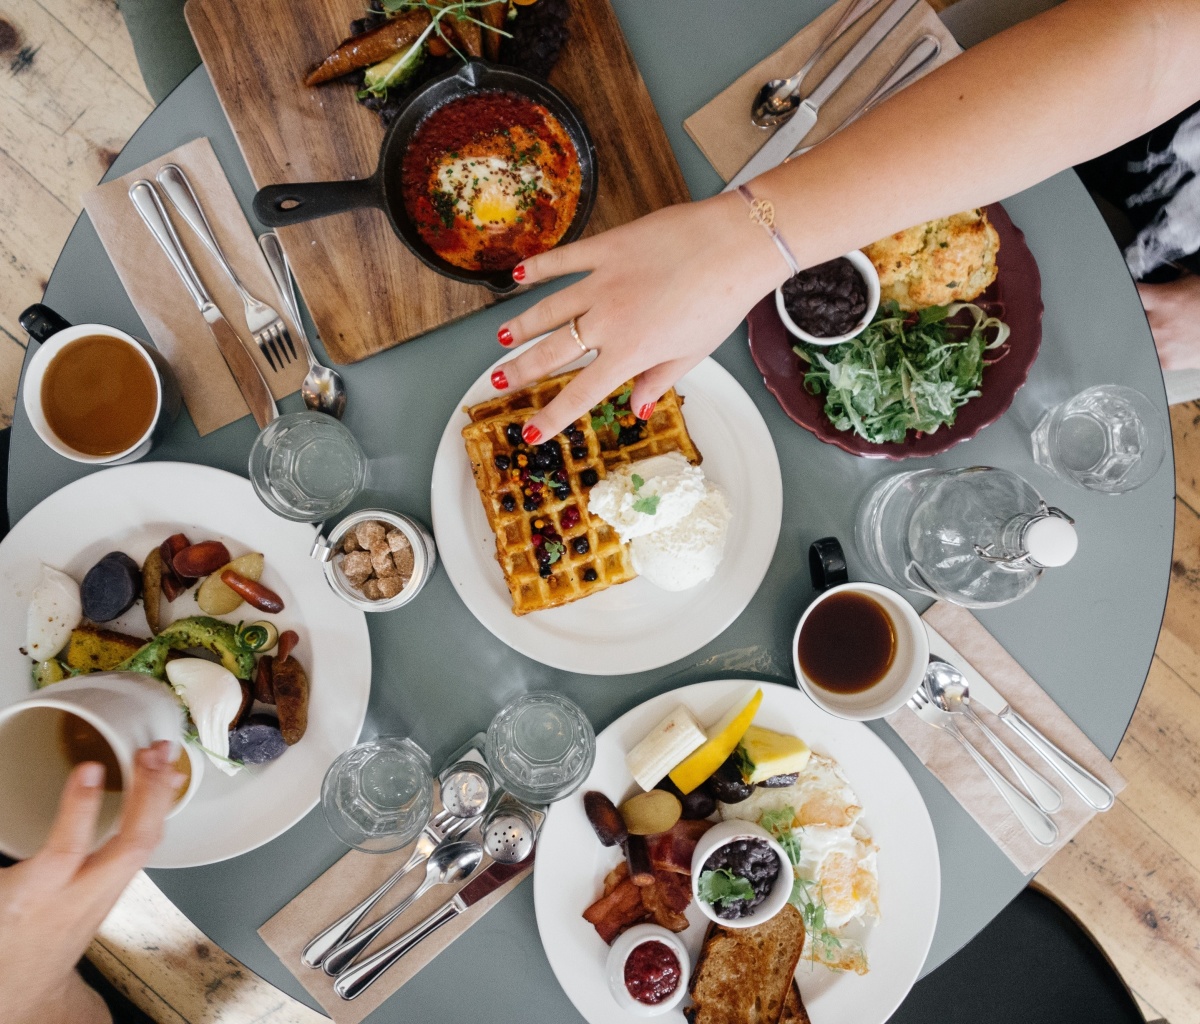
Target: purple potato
x,y
697,805
110,587
257,742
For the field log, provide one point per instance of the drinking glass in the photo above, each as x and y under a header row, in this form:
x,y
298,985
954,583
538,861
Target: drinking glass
x,y
1108,438
378,795
307,466
540,747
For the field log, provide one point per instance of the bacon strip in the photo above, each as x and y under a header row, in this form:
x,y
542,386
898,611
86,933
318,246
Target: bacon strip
x,y
672,850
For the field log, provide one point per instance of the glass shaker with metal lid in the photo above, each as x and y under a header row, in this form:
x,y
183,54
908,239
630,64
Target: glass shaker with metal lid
x,y
978,537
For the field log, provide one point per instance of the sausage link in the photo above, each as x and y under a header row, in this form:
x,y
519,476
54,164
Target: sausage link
x,y
254,594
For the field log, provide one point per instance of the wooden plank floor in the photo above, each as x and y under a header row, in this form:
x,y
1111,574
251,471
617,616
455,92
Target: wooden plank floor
x,y
1132,877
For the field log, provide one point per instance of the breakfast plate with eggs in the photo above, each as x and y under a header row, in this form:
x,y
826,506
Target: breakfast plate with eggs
x,y
861,851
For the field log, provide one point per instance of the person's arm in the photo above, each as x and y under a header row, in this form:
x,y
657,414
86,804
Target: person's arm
x,y
666,290
52,904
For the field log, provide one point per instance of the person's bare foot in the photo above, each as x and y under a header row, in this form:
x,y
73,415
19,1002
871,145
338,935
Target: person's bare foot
x,y
1173,310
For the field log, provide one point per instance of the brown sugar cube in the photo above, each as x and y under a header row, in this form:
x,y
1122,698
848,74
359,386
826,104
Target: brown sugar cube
x,y
357,568
350,542
371,590
398,542
371,534
381,562
404,563
390,586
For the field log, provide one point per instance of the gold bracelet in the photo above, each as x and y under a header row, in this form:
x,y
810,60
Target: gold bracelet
x,y
762,212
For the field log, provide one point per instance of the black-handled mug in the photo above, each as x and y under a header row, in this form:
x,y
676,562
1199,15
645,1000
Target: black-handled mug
x,y
860,650
56,337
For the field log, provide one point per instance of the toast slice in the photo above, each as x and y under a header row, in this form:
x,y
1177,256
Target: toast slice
x,y
745,975
793,1008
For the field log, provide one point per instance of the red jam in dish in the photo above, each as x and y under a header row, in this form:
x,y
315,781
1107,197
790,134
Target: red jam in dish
x,y
652,972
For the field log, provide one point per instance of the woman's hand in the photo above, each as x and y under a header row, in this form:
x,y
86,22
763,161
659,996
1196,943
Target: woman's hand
x,y
662,293
1173,310
52,904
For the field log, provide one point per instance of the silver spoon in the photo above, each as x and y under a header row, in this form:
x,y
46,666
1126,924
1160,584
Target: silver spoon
x,y
448,865
778,99
323,390
950,691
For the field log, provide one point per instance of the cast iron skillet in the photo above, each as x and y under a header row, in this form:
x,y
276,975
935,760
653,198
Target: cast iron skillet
x,y
283,205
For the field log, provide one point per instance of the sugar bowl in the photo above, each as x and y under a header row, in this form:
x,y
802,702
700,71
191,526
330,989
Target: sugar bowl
x,y
376,559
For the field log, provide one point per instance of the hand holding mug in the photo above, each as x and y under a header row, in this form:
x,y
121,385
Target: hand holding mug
x,y
52,904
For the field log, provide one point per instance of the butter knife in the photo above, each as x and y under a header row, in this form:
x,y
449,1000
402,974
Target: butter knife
x,y
246,373
1090,789
789,135
354,982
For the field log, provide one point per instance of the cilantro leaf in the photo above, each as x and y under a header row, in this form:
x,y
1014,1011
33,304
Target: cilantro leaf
x,y
555,550
723,886
647,505
637,483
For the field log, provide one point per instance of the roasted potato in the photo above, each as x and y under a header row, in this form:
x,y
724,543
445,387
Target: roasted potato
x,y
290,684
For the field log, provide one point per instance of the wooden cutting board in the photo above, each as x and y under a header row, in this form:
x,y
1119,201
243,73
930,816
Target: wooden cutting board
x,y
365,290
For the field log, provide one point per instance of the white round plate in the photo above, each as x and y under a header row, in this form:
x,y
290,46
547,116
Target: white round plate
x,y
635,626
132,509
571,863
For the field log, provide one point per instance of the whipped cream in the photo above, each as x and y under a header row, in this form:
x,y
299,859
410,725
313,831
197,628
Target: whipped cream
x,y
647,496
686,554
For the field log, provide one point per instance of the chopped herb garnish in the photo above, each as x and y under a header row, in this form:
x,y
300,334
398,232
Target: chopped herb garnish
x,y
555,550
647,505
813,910
637,483
779,824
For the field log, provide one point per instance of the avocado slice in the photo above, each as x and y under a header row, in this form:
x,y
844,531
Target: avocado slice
x,y
198,631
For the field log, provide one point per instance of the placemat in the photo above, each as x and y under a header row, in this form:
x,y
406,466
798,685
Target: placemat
x,y
160,298
722,127
348,882
953,767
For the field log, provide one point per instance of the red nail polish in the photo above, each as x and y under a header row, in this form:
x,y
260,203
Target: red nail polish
x,y
531,434
499,381
519,272
646,411
505,336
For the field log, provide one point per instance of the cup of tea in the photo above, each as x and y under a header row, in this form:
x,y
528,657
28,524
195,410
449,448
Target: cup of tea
x,y
96,394
860,651
105,717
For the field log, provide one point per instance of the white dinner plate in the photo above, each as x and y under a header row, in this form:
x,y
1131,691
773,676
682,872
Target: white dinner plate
x,y
635,626
133,508
571,863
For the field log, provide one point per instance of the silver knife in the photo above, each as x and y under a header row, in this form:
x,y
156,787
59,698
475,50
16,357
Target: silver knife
x,y
246,373
354,982
789,135
1090,789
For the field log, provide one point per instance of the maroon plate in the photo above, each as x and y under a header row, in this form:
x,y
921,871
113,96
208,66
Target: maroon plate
x,y
1015,297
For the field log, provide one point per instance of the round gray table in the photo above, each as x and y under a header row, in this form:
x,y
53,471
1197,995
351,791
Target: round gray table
x,y
1087,633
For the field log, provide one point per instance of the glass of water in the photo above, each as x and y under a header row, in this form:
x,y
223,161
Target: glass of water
x,y
1109,438
307,466
377,796
540,747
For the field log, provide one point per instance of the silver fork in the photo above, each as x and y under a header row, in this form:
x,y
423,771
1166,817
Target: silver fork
x,y
1037,823
266,325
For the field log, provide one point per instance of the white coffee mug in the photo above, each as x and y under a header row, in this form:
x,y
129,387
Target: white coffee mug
x,y
128,709
54,334
900,682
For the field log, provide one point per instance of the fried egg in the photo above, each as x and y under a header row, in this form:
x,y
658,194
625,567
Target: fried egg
x,y
488,191
837,858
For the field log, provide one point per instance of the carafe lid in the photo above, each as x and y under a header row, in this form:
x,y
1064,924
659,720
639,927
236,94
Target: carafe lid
x,y
1050,540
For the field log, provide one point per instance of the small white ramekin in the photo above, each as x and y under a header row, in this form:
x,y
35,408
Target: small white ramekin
x,y
869,275
722,834
625,944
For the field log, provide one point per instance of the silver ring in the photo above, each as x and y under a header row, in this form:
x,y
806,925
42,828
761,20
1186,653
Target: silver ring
x,y
575,334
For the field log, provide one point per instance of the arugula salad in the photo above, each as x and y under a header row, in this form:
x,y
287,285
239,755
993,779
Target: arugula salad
x,y
905,371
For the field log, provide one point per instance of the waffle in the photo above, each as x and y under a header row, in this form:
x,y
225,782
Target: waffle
x,y
606,558
664,432
612,436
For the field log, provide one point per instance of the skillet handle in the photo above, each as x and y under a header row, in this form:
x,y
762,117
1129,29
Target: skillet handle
x,y
278,206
